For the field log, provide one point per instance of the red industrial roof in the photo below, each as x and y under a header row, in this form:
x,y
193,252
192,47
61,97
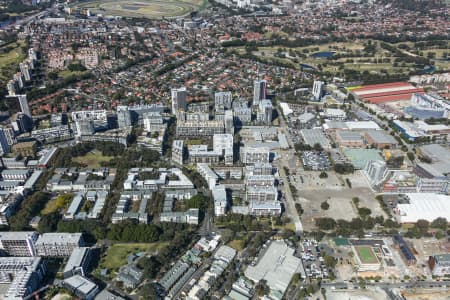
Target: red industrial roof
x,y
382,86
392,93
391,98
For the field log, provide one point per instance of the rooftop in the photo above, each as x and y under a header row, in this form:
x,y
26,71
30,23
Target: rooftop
x,y
360,157
381,137
442,257
315,136
17,235
81,283
277,266
59,238
225,253
76,258
426,206
346,135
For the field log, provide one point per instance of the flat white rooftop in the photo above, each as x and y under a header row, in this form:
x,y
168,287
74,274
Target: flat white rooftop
x,y
425,206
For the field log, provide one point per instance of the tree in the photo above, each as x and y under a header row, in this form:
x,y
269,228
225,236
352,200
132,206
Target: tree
x,y
149,291
317,147
364,212
198,201
349,183
324,205
343,168
287,233
439,235
227,235
329,261
262,288
299,209
76,67
52,75
323,174
49,222
411,156
29,207
391,224
325,223
296,278
440,223
423,225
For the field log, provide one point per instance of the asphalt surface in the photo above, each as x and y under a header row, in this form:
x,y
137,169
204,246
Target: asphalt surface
x,y
287,159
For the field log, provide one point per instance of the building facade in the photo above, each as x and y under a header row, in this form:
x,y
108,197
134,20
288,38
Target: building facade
x,y
58,244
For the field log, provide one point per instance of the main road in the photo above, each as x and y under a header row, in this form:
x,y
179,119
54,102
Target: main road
x,y
389,285
285,158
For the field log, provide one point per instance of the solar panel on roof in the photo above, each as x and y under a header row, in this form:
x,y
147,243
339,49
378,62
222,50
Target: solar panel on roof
x,y
407,253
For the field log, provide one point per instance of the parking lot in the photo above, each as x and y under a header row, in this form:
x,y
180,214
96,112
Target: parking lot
x,y
315,160
313,262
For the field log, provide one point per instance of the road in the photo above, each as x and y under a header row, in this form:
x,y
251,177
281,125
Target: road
x,y
389,285
285,160
207,227
26,20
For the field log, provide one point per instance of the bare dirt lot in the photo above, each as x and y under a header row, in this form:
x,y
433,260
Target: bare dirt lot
x,y
426,295
369,294
336,192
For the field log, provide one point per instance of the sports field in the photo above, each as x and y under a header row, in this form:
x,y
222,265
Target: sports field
x,y
144,8
366,255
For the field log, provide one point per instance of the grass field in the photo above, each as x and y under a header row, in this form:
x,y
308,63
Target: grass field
x,y
237,244
353,58
50,207
366,255
9,60
67,73
117,253
57,203
144,8
92,159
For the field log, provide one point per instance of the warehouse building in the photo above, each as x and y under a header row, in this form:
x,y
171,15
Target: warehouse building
x,y
345,138
405,251
380,139
439,161
387,92
425,206
439,264
315,136
360,157
277,265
